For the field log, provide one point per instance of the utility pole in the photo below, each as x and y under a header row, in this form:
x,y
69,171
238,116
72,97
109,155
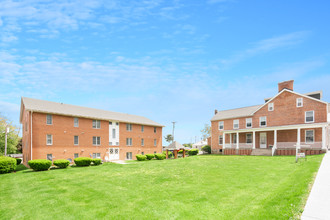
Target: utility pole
x,y
6,132
173,130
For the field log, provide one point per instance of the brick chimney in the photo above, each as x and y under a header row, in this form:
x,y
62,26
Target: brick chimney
x,y
285,85
215,112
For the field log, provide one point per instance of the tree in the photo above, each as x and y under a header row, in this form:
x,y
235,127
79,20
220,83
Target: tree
x,y
168,138
12,136
206,131
206,149
188,145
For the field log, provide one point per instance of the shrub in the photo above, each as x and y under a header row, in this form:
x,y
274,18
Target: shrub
x,y
180,151
96,161
207,149
141,157
150,156
160,156
193,152
170,154
7,164
83,161
18,161
40,165
61,163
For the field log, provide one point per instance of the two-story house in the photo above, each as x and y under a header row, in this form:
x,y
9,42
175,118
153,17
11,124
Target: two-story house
x,y
61,131
285,122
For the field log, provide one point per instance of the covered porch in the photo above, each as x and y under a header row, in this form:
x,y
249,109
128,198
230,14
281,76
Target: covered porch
x,y
280,140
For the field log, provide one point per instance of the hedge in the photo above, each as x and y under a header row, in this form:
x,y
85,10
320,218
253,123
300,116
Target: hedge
x,y
96,161
7,164
150,156
61,163
141,157
18,161
170,154
40,164
160,156
83,161
193,152
206,148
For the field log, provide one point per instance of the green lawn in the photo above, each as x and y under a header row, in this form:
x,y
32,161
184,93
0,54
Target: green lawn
x,y
203,187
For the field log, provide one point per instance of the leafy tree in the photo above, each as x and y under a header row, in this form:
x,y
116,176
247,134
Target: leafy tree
x,y
12,136
206,149
188,145
206,131
168,138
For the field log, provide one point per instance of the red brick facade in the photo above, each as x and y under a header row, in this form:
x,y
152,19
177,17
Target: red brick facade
x,y
63,131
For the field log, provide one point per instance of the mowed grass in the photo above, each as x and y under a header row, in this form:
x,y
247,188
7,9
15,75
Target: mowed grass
x,y
199,187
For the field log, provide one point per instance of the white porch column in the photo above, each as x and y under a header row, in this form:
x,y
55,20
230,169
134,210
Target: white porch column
x,y
298,138
254,140
275,139
230,139
324,136
224,140
237,140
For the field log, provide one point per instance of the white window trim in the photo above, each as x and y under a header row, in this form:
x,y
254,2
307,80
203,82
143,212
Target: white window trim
x,y
96,124
302,102
130,142
51,138
155,129
74,125
223,125
96,138
271,105
142,128
220,139
74,139
155,142
265,121
235,123
51,116
306,117
247,138
306,137
142,141
246,122
129,127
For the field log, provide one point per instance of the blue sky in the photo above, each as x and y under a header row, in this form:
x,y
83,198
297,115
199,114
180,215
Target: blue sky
x,y
166,60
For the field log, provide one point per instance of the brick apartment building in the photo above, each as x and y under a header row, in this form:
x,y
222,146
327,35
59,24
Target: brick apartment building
x,y
282,124
60,131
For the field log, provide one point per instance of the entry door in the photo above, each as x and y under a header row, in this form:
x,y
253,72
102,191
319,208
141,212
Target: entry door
x,y
263,140
114,153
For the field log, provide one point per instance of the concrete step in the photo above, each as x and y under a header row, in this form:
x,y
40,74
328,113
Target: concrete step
x,y
261,152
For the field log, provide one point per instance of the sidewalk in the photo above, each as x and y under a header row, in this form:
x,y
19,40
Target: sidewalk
x,y
318,203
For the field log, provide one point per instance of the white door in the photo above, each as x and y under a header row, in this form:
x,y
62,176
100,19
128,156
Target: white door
x,y
114,153
263,140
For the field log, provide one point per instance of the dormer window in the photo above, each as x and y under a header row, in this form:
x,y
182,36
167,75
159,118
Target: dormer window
x,y
236,124
299,102
309,117
221,125
271,107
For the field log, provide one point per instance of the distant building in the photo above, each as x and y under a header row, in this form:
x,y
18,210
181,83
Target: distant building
x,y
199,145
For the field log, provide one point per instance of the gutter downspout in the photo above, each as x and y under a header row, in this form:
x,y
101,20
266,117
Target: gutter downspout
x,y
31,134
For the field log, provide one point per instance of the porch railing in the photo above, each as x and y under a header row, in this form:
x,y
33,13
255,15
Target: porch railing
x,y
241,146
303,145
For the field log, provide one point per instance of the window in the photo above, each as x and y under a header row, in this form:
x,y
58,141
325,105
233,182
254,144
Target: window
x,y
220,139
309,136
142,153
263,121
96,124
113,133
142,142
309,116
49,139
155,142
49,119
300,102
155,129
128,127
221,125
142,128
117,123
96,141
96,155
117,143
271,107
76,155
234,138
76,140
155,152
50,157
248,122
128,141
236,124
128,155
249,138
75,122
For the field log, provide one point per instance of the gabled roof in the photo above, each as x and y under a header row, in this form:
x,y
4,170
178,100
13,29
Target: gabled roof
x,y
202,142
43,106
235,113
175,146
